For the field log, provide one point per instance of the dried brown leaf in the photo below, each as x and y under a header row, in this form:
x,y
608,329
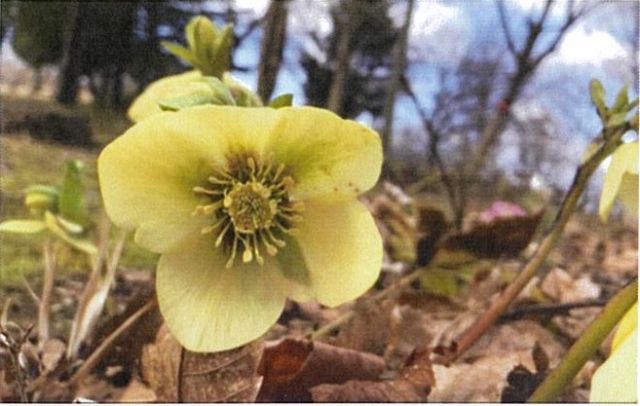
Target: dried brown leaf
x,y
412,384
368,330
136,392
431,224
52,352
504,236
480,376
178,375
291,367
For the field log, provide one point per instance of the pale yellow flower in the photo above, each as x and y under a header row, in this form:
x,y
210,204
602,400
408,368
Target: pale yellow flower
x,y
616,379
248,206
182,85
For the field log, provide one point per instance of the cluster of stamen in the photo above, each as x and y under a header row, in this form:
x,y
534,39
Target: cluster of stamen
x,y
250,205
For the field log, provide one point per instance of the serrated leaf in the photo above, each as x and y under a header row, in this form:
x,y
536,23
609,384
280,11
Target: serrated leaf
x,y
597,97
71,204
621,180
439,282
622,99
632,105
617,119
178,50
51,221
22,226
284,100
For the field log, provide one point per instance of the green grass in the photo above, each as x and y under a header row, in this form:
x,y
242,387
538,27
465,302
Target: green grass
x,y
24,161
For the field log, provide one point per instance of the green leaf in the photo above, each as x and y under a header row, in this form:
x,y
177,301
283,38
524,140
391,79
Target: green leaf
x,y
205,41
219,58
208,90
632,105
181,102
621,180
46,189
597,97
22,226
178,50
69,226
72,205
190,32
622,99
52,223
617,119
439,282
284,100
221,94
38,202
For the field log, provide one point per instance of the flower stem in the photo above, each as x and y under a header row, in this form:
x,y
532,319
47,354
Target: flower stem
x,y
97,355
580,181
44,308
587,345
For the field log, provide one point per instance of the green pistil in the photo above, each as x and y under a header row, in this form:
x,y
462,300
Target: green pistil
x,y
251,206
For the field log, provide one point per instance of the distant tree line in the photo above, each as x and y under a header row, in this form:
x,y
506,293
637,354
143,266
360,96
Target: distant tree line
x,y
101,41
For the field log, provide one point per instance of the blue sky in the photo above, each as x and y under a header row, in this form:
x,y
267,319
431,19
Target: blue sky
x,y
599,46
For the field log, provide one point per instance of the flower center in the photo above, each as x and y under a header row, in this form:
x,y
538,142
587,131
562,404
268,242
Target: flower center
x,y
250,205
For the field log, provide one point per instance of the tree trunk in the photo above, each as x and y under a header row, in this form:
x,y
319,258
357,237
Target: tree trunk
x,y
273,40
343,55
400,62
71,68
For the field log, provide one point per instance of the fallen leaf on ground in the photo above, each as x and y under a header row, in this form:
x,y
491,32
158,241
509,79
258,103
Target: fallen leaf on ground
x,y
480,376
522,382
291,367
136,392
503,236
412,384
52,352
368,330
178,375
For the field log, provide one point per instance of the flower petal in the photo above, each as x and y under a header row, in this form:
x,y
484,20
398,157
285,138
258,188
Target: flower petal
x,y
147,174
621,180
616,380
342,248
146,104
208,307
325,153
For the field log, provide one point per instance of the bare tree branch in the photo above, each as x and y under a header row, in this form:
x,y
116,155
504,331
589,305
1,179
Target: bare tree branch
x,y
545,12
434,142
505,28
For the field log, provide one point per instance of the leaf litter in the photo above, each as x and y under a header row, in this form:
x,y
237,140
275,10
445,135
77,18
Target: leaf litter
x,y
380,354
